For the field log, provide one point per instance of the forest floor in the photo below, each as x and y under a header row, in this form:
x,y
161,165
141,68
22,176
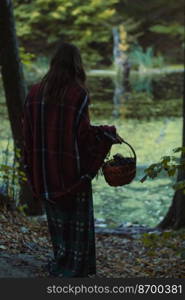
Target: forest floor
x,y
130,252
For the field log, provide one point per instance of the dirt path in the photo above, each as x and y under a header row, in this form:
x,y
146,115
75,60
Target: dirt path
x,y
126,252
19,265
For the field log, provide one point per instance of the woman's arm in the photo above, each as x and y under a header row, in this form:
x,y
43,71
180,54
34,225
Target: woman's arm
x,y
94,142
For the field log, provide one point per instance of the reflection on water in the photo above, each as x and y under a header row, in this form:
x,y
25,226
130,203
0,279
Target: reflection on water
x,y
153,125
153,96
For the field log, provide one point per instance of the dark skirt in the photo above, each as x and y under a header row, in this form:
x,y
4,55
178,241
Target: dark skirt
x,y
71,227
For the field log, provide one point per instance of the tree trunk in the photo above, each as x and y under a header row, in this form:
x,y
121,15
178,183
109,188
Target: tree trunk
x,y
14,86
175,217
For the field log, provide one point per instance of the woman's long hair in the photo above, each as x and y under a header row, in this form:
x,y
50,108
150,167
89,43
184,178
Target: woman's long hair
x,y
66,68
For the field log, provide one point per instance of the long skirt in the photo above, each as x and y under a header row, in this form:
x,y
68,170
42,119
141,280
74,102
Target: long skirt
x,y
71,227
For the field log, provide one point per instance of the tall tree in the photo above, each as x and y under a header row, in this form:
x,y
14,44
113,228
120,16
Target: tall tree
x,y
15,89
175,216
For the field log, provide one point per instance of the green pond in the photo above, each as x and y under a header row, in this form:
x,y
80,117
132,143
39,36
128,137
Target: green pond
x,y
149,117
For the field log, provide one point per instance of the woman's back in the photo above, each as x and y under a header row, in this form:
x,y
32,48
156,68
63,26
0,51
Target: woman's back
x,y
53,147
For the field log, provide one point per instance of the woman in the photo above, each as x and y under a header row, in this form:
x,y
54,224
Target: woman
x,y
62,154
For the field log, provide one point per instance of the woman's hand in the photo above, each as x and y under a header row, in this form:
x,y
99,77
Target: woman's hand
x,y
119,139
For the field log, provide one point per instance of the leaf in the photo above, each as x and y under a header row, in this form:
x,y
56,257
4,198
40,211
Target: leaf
x,y
179,149
166,158
179,185
171,172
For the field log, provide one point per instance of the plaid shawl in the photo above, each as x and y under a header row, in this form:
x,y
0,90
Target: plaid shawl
x,y
62,150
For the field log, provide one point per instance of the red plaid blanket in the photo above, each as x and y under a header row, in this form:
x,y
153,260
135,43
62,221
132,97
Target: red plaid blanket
x,y
62,150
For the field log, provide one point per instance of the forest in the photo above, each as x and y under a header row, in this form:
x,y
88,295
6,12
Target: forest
x,y
133,55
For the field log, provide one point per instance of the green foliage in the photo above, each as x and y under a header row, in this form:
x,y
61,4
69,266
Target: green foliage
x,y
150,240
169,164
22,209
87,24
133,28
162,23
154,242
173,30
10,173
26,57
145,59
7,170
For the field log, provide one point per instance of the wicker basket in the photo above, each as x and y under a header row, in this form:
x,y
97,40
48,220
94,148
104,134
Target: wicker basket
x,y
120,170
